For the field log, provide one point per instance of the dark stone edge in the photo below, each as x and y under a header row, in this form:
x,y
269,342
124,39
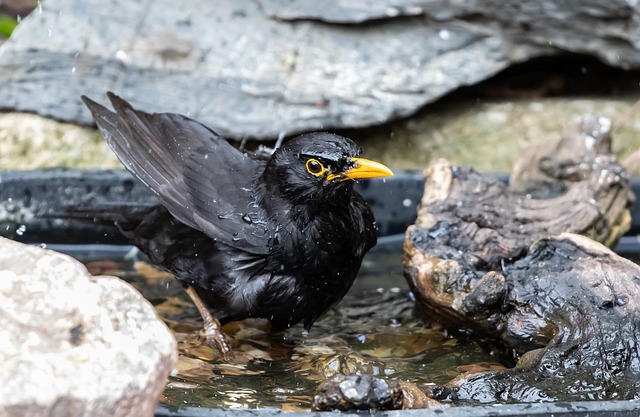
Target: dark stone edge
x,y
394,201
564,409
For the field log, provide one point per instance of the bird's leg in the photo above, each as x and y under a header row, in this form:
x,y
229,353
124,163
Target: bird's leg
x,y
212,328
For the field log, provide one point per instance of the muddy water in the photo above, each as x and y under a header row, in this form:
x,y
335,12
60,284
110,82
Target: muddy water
x,y
371,331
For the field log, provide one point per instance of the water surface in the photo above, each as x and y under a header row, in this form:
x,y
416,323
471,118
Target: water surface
x,y
371,331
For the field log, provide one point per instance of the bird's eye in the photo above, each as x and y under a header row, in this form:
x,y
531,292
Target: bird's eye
x,y
315,167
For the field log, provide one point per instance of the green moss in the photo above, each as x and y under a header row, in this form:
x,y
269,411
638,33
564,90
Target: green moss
x,y
489,135
7,25
28,141
485,135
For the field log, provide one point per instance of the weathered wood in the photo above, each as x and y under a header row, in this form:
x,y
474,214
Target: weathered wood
x,y
496,262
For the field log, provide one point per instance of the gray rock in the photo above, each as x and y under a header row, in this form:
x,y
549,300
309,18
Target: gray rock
x,y
76,345
356,392
352,11
264,67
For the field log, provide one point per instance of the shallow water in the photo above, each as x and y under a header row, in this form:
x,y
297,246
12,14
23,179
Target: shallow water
x,y
371,331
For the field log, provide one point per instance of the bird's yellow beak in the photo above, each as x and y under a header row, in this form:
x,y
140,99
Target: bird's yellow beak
x,y
365,168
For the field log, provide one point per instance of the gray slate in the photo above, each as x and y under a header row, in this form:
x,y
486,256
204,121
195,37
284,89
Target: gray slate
x,y
258,68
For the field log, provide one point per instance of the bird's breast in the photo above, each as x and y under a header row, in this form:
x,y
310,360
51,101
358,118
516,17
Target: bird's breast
x,y
320,244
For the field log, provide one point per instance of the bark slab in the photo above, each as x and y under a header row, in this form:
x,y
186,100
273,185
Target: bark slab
x,y
496,261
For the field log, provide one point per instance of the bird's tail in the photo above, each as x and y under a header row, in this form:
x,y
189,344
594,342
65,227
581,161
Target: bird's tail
x,y
118,214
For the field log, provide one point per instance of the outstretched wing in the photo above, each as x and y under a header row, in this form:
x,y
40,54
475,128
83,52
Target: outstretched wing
x,y
199,177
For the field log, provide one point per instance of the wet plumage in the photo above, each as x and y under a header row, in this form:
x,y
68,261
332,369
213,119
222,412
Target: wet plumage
x,y
280,238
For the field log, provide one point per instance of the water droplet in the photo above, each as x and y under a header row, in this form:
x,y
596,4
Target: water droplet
x,y
21,229
406,202
122,56
43,245
246,218
73,69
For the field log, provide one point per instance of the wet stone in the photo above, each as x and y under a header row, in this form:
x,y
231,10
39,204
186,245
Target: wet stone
x,y
355,392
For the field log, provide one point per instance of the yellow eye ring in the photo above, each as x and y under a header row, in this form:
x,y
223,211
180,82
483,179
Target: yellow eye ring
x,y
315,167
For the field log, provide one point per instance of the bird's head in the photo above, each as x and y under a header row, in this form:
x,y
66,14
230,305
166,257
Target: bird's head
x,y
319,168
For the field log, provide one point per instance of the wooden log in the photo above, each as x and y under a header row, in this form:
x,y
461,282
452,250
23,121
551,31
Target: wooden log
x,y
495,261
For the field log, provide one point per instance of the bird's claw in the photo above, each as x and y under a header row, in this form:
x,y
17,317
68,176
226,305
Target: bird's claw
x,y
217,340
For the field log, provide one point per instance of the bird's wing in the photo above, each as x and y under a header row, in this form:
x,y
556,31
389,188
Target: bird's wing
x,y
199,177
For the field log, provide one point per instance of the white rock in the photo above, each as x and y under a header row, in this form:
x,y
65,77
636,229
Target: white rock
x,y
76,345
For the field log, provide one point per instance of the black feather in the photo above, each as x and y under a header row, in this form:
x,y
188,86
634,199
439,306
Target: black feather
x,y
255,237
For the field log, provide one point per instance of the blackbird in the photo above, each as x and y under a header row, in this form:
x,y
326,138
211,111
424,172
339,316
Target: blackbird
x,y
279,237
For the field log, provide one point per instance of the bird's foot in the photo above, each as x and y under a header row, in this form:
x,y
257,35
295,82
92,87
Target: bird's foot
x,y
212,330
217,340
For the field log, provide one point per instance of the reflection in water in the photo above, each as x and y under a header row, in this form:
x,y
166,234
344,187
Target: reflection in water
x,y
371,331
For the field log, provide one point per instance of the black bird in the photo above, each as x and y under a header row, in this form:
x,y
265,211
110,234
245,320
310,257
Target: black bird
x,y
280,238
